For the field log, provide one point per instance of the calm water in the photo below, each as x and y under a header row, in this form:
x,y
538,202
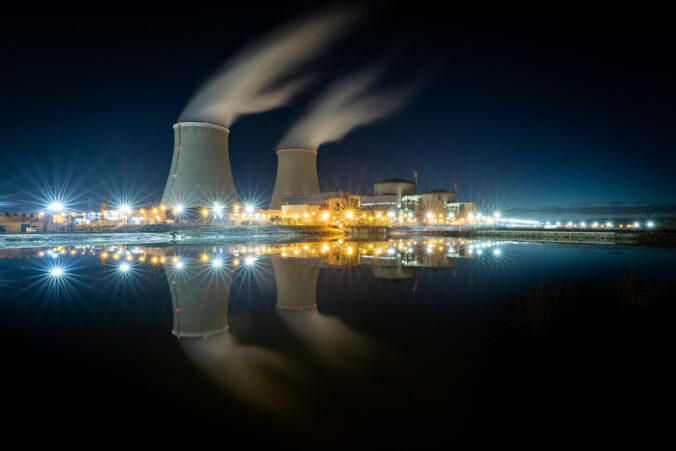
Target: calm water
x,y
421,339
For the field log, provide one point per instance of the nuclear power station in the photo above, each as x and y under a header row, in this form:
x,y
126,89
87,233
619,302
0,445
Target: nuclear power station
x,y
296,174
200,173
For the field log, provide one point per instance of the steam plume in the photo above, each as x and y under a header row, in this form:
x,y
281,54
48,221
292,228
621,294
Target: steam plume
x,y
262,76
344,106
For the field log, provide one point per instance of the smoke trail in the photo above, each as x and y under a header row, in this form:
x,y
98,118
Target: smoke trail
x,y
344,106
262,76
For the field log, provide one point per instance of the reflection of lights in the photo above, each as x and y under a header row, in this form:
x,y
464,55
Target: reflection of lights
x,y
497,252
56,271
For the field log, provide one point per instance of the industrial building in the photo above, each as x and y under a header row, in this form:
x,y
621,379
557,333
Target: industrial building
x,y
296,174
200,173
21,222
401,196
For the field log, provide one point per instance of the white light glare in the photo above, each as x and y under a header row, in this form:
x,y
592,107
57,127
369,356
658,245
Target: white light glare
x,y
250,260
651,224
497,251
249,209
217,208
124,267
179,265
125,209
496,215
217,263
56,207
56,272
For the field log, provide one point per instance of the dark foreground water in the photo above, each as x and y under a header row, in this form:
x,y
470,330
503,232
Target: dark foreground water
x,y
474,343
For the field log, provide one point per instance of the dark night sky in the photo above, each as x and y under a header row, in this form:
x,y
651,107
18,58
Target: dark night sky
x,y
529,108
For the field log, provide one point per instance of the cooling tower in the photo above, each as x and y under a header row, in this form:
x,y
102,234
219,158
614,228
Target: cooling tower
x,y
200,173
199,299
296,174
296,284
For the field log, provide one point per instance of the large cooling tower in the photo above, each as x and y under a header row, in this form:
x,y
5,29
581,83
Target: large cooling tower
x,y
296,174
200,171
296,284
199,299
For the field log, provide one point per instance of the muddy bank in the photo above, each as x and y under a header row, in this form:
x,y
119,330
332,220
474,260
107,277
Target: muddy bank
x,y
658,238
251,234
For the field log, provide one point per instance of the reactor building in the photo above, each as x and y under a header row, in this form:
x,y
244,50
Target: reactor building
x,y
200,173
296,174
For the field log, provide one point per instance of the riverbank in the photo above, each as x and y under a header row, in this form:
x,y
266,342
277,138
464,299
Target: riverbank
x,y
641,238
187,235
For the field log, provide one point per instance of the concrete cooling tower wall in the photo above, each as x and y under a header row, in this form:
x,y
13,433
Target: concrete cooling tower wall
x,y
199,299
200,173
296,284
296,174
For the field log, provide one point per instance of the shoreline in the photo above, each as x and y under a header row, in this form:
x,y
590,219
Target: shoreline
x,y
574,236
226,234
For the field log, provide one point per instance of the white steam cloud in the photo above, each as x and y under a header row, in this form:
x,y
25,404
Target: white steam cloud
x,y
344,106
263,76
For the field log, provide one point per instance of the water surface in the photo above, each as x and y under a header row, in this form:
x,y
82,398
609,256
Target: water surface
x,y
422,338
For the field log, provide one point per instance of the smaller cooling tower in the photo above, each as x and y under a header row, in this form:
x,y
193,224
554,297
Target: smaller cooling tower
x,y
200,171
296,284
296,174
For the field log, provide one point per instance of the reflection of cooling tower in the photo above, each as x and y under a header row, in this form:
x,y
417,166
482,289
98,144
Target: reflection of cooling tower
x,y
200,168
394,273
296,284
200,300
296,174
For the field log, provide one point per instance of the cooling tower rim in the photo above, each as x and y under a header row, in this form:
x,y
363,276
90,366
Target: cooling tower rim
x,y
205,333
201,124
297,148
